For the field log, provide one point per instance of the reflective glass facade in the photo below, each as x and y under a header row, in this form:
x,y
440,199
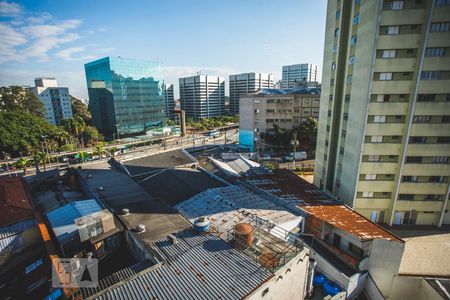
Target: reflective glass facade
x,y
125,95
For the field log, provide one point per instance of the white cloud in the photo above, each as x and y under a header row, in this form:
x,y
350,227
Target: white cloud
x,y
39,18
10,8
68,54
11,39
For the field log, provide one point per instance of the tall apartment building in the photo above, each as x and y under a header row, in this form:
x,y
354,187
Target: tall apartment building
x,y
261,110
384,134
56,99
169,101
125,95
294,75
246,83
202,96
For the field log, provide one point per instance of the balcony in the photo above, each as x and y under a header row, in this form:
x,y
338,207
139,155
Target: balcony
x,y
428,149
375,186
418,205
385,128
426,169
392,87
430,129
377,167
395,65
400,41
431,108
434,87
372,203
439,39
403,17
388,108
435,63
382,149
423,187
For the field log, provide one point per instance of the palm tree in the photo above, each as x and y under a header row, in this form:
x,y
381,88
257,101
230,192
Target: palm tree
x,y
22,163
82,156
99,149
113,151
40,158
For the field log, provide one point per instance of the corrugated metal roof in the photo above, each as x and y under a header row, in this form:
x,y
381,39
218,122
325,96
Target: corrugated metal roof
x,y
228,206
11,234
197,267
62,219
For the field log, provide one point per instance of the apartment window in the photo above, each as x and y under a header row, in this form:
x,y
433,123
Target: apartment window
x,y
256,101
442,2
343,132
443,140
430,75
336,32
345,117
440,27
349,79
330,98
409,178
383,98
379,119
407,197
358,252
341,150
436,179
414,159
334,50
374,158
392,30
426,98
445,119
347,98
338,14
371,176
418,140
396,5
432,197
430,52
333,66
376,139
367,194
356,19
257,111
385,76
410,217
353,40
351,60
389,53
422,119
270,111
332,81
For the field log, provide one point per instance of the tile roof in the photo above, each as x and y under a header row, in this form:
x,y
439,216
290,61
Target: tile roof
x,y
196,267
349,221
15,205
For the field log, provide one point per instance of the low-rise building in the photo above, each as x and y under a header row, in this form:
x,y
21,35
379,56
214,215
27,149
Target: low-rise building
x,y
286,108
56,100
24,264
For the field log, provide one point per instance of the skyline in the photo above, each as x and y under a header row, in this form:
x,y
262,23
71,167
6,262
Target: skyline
x,y
57,39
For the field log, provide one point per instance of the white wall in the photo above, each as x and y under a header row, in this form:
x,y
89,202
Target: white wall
x,y
412,288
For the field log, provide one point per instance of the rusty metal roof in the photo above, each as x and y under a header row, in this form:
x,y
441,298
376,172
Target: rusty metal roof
x,y
300,193
15,205
349,221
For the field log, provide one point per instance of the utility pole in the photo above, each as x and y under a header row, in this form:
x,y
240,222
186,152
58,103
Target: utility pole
x,y
295,143
225,137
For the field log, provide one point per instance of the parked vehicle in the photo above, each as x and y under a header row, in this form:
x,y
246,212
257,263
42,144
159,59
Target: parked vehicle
x,y
300,155
212,133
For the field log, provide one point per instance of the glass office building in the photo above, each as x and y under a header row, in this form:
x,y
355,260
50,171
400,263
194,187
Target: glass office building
x,y
125,95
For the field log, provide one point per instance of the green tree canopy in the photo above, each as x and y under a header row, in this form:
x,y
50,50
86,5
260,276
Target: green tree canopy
x,y
14,98
21,131
81,110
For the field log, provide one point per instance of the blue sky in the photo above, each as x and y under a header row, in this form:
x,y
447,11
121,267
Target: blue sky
x,y
55,37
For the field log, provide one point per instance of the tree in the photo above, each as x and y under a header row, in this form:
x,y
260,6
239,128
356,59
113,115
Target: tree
x,y
21,131
76,127
80,109
99,149
40,158
113,151
82,156
91,135
23,164
15,98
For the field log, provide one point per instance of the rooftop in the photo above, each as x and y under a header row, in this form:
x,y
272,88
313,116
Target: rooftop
x,y
151,163
227,206
195,267
298,91
426,256
298,192
117,191
176,185
15,205
441,286
62,219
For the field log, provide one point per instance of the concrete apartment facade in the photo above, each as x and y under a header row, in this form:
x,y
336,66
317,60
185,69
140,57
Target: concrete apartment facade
x,y
299,73
268,107
56,99
384,137
246,83
202,96
169,101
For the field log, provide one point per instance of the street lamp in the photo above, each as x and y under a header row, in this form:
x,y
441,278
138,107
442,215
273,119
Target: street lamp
x,y
295,143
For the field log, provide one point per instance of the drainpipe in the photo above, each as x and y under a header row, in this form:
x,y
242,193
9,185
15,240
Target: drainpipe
x,y
441,218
